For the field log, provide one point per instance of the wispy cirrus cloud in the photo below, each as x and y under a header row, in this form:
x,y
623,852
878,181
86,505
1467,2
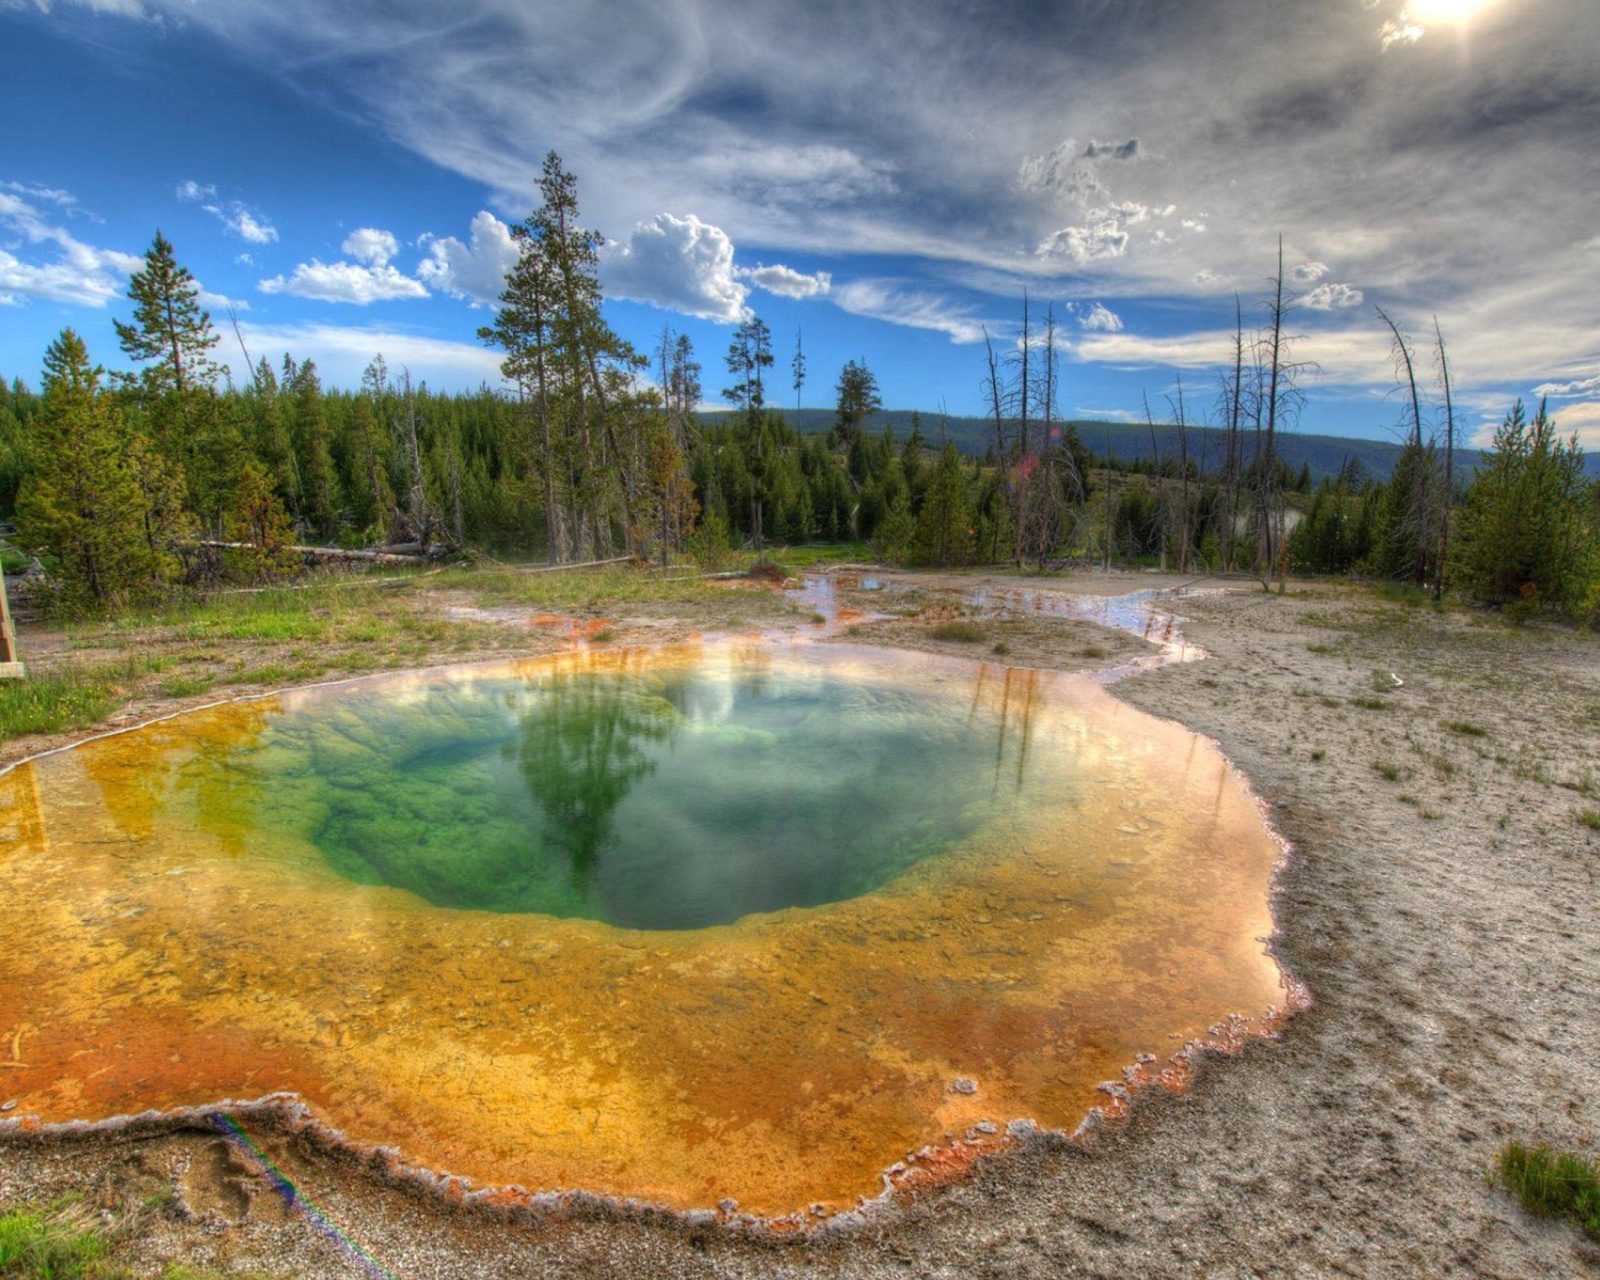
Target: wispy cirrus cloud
x,y
235,216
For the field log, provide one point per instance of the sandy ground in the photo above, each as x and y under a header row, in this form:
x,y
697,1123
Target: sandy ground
x,y
1440,904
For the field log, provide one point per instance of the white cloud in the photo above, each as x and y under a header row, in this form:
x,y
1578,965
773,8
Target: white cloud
x,y
680,264
71,271
1309,272
475,271
234,215
1400,31
248,227
1581,419
1562,390
896,303
786,282
114,8
1098,318
222,302
1332,297
1096,243
345,282
371,246
342,352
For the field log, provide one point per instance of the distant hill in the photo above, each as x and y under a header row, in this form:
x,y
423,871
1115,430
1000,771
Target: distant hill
x,y
1131,441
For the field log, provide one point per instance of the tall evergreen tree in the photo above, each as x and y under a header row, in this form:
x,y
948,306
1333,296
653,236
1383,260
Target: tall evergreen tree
x,y
171,332
81,504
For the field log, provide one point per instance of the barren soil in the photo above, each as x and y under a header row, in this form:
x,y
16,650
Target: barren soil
x,y
1440,904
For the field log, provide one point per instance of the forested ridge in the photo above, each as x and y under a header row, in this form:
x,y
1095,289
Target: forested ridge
x,y
129,485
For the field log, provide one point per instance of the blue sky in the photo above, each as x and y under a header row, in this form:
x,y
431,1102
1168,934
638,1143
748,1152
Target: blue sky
x,y
887,179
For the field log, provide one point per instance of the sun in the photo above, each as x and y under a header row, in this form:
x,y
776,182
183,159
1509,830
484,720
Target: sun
x,y
1442,12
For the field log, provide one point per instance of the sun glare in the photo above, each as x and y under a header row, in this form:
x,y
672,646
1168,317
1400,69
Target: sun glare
x,y
1440,12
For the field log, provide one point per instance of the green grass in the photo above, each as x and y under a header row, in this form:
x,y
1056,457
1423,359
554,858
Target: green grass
x,y
1388,769
52,703
1370,704
960,631
1588,818
58,1244
1001,648
1465,729
66,1242
1551,1183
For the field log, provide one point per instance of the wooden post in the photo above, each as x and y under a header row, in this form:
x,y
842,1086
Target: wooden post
x,y
10,667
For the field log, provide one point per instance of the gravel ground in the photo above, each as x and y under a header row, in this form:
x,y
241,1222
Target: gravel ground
x,y
1440,905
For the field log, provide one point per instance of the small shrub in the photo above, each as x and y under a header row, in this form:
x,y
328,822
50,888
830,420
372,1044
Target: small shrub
x,y
1001,648
604,635
1588,818
1551,1183
960,631
1388,769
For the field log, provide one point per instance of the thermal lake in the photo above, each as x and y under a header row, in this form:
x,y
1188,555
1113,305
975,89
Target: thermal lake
x,y
739,921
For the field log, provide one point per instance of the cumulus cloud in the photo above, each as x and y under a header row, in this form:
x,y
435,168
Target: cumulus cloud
x,y
1332,297
1098,318
679,264
352,282
45,262
1309,272
786,282
900,304
1082,245
475,271
370,245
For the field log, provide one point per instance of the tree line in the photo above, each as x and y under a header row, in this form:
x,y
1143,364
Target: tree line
x,y
132,484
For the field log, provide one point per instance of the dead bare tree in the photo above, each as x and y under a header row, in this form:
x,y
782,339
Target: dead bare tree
x,y
1449,462
1282,400
1181,422
1414,527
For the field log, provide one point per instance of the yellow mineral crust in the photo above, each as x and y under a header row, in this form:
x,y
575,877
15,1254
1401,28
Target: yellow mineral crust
x,y
160,952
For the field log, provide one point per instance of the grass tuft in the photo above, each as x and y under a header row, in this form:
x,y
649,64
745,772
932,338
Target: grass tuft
x,y
1551,1183
54,1245
55,702
1588,818
1465,729
959,631
1388,769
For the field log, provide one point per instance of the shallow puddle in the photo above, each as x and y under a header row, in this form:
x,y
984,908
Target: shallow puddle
x,y
746,922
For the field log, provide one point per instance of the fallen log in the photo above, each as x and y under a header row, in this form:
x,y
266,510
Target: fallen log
x,y
323,553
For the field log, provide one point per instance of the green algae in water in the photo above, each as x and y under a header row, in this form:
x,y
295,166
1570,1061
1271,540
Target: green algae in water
x,y
671,798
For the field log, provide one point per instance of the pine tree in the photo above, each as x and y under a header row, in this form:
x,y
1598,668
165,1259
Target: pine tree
x,y
81,504
945,525
171,332
1523,539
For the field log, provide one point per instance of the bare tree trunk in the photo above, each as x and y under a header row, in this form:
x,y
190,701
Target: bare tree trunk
x,y
1183,473
1449,464
1417,518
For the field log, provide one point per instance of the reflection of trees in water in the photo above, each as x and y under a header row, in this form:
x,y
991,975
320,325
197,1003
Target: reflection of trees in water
x,y
1014,704
583,747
